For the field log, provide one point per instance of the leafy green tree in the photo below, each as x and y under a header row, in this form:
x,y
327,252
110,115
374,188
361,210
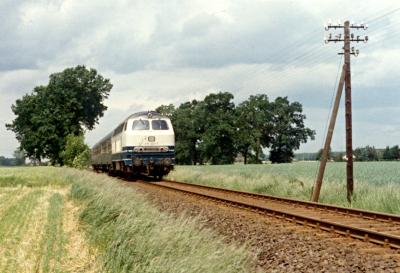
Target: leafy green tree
x,y
76,153
395,152
70,103
372,154
19,157
187,126
217,142
367,153
253,126
386,153
338,157
288,130
360,154
166,110
31,123
319,154
214,130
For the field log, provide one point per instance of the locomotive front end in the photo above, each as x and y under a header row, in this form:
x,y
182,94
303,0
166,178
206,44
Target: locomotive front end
x,y
151,148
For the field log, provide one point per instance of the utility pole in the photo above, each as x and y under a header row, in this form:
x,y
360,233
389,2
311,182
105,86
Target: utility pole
x,y
329,134
346,77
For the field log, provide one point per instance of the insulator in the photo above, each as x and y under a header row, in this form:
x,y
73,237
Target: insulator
x,y
366,39
352,36
365,26
330,36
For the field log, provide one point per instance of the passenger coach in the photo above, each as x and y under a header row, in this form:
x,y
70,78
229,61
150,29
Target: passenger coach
x,y
143,143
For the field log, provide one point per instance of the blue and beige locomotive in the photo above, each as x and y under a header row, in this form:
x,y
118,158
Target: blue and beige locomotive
x,y
144,143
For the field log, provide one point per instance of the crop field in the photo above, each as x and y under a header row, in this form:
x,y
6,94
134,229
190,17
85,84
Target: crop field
x,y
376,184
67,220
39,226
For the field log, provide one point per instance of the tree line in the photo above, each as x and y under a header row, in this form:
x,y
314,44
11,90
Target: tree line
x,y
18,159
367,153
216,131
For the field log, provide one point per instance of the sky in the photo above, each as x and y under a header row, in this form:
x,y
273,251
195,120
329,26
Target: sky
x,y
161,52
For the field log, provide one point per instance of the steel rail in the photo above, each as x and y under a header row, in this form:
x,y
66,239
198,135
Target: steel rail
x,y
349,211
384,239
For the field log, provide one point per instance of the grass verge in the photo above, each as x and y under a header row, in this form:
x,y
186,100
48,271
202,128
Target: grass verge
x,y
377,184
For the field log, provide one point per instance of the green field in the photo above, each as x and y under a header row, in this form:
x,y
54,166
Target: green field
x,y
67,220
376,185
39,227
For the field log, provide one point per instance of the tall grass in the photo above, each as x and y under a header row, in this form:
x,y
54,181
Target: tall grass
x,y
135,237
377,184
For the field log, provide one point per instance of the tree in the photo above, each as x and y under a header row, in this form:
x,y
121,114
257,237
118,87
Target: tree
x,y
214,130
319,154
217,143
386,154
338,156
372,154
288,130
395,153
70,103
166,110
253,126
19,157
187,126
76,153
367,153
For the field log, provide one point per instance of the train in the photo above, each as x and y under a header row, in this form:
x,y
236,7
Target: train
x,y
142,144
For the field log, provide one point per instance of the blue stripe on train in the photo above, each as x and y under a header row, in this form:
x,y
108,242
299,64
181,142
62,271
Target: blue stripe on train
x,y
145,157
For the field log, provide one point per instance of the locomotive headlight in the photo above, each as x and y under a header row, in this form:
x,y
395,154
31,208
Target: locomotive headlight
x,y
164,149
138,149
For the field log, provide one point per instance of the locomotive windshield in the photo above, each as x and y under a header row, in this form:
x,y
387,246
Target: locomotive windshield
x,y
159,124
140,125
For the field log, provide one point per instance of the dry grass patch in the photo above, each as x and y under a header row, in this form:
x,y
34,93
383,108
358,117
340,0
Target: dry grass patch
x,y
79,256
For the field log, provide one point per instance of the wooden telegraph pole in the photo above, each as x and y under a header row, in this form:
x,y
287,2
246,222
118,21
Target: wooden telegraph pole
x,y
346,80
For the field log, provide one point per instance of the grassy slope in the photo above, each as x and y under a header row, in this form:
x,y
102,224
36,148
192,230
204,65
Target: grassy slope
x,y
125,233
377,184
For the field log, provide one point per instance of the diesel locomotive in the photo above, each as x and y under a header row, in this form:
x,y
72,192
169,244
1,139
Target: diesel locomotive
x,y
144,143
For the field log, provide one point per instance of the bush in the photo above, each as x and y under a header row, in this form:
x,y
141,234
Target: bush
x,y
76,153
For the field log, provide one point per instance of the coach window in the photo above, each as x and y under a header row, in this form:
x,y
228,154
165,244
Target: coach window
x,y
159,124
140,125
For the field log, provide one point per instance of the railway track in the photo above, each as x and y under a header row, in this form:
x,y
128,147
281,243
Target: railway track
x,y
374,227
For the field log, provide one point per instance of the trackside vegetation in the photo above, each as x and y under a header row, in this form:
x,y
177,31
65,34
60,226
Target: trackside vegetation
x,y
377,184
70,220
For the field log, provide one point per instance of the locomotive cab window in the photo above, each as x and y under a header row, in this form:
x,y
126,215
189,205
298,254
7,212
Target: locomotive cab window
x,y
159,124
140,125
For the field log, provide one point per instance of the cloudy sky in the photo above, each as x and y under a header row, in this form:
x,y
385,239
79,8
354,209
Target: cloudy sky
x,y
161,52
